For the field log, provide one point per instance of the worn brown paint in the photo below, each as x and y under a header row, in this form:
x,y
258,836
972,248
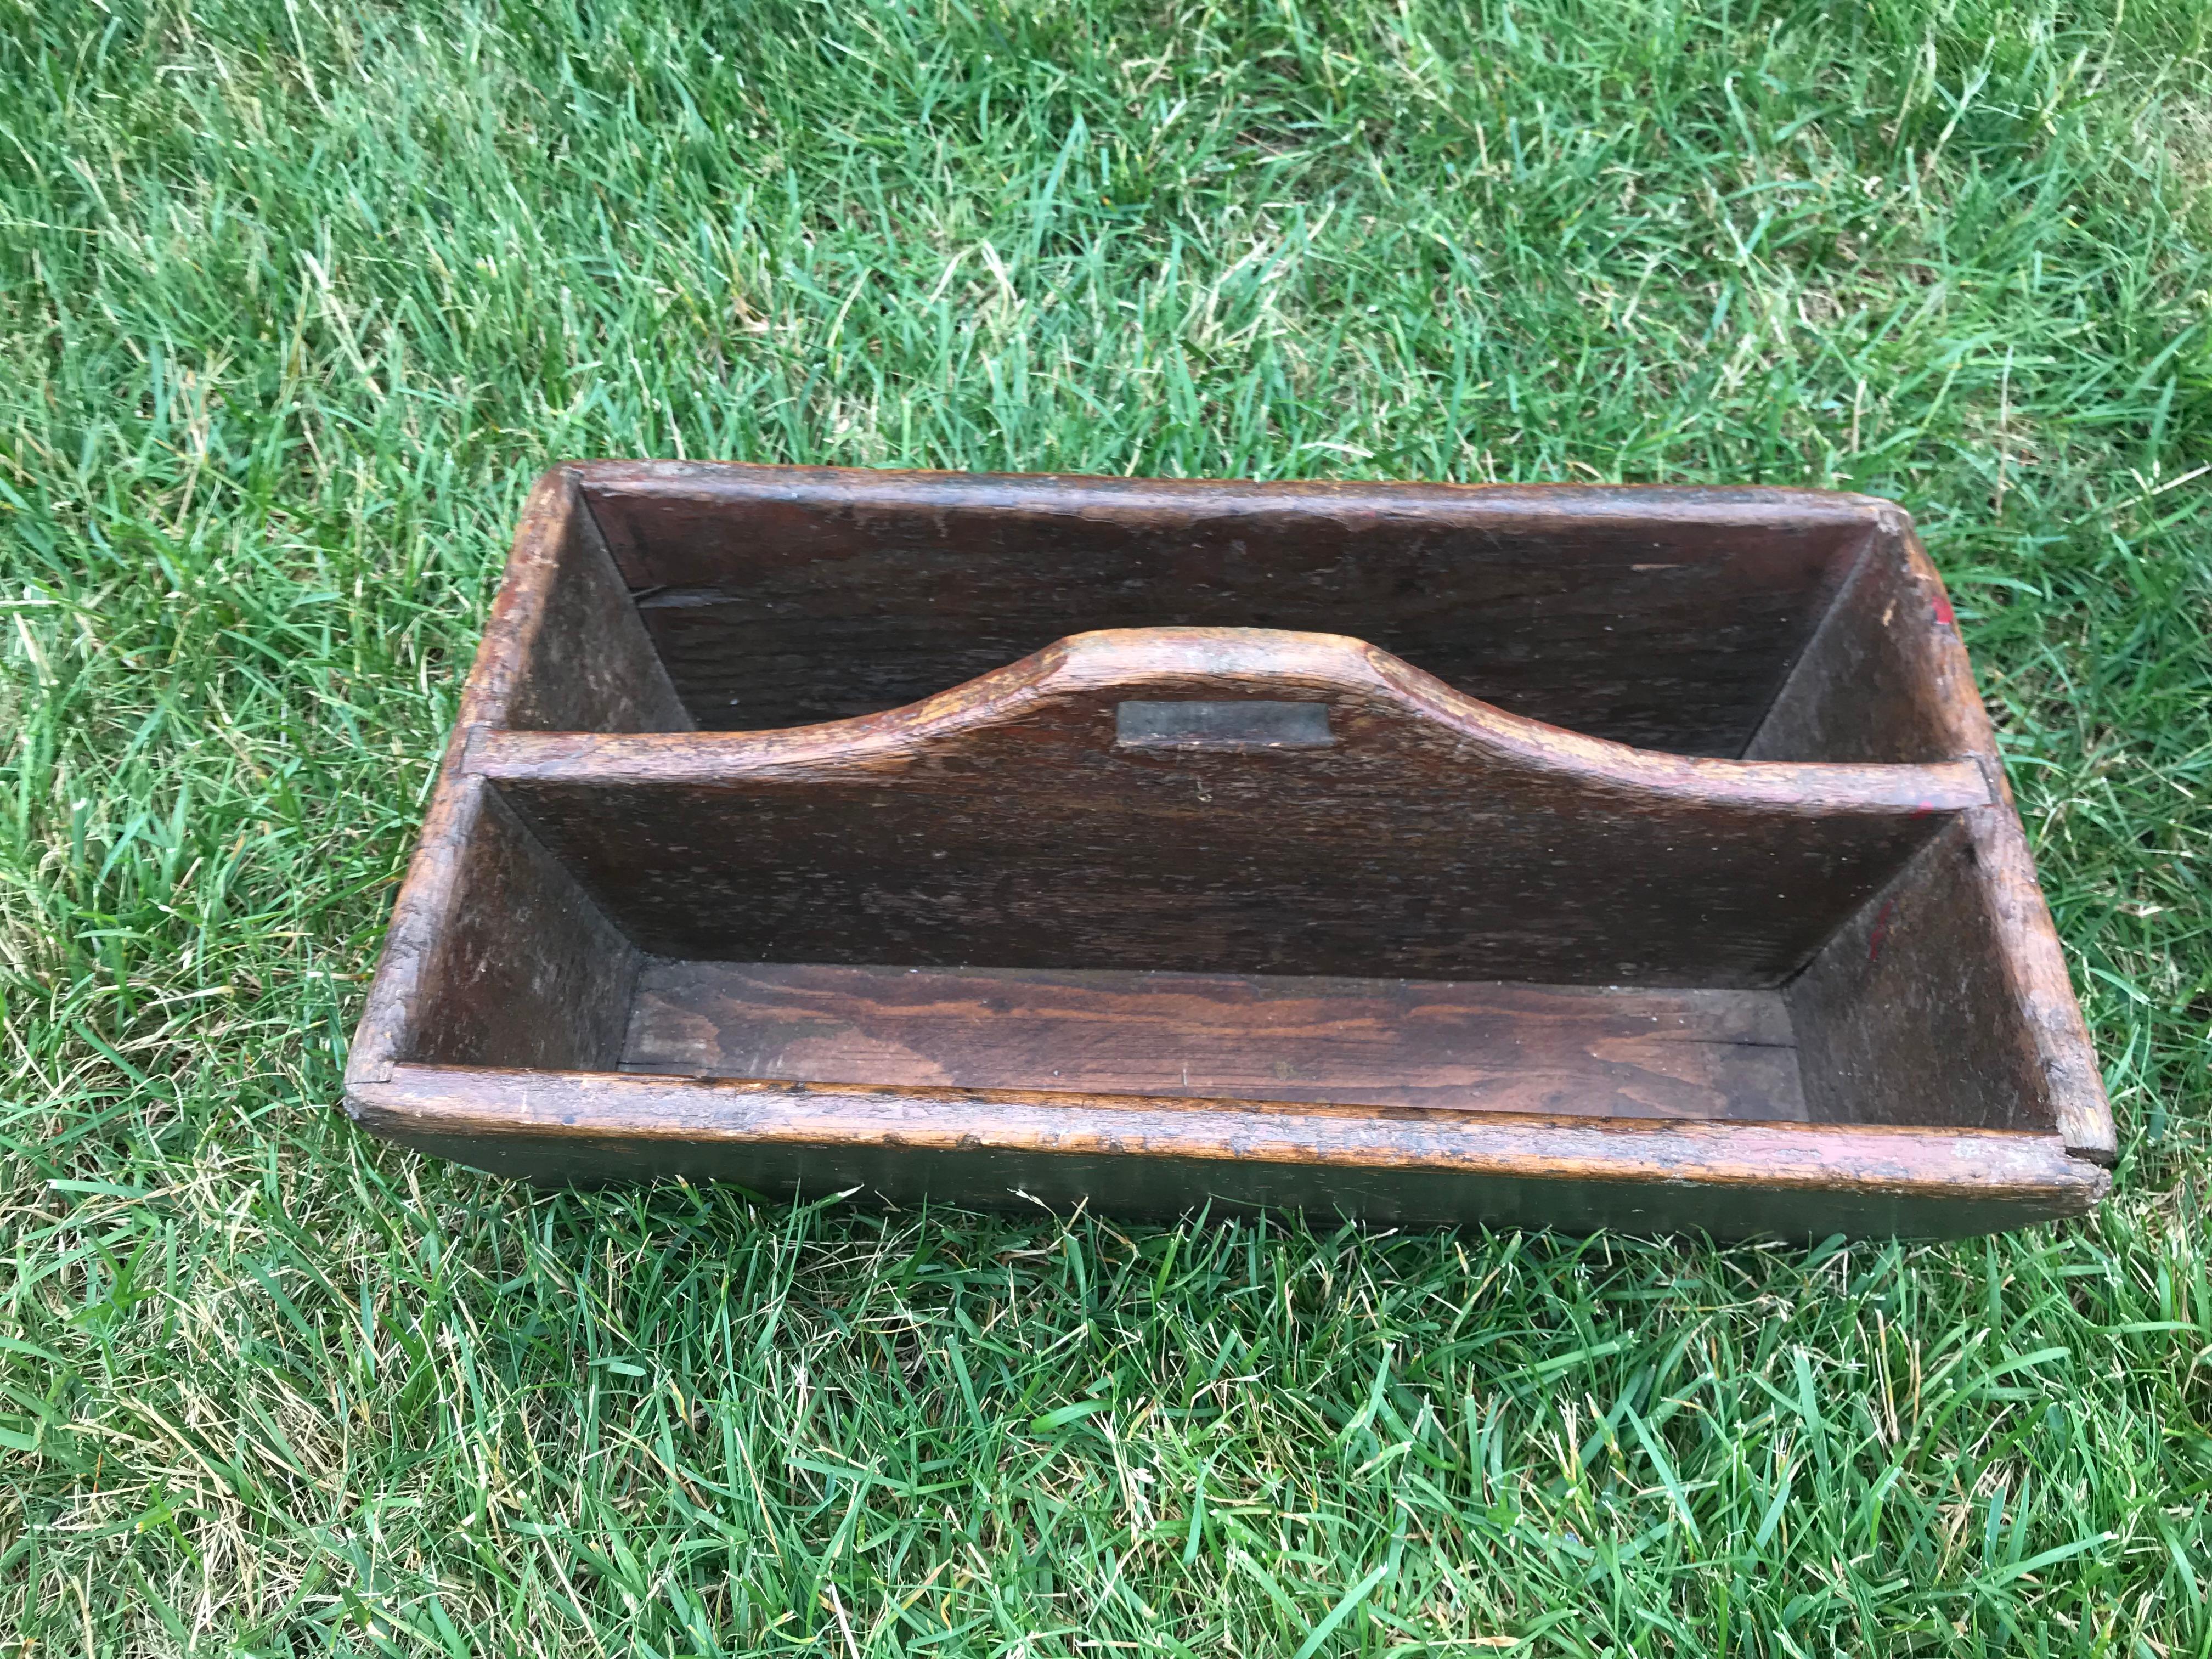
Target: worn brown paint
x,y
1177,844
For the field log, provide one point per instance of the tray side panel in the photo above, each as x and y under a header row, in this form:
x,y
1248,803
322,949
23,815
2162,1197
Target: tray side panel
x,y
1886,678
1869,686
585,663
1140,1157
1410,1044
1205,874
554,649
1906,1015
1251,867
780,596
526,971
431,890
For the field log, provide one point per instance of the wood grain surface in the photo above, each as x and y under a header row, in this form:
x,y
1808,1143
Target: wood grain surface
x,y
1415,1044
1907,1013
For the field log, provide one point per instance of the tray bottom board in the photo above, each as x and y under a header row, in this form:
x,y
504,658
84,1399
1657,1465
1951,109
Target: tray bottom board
x,y
1588,1050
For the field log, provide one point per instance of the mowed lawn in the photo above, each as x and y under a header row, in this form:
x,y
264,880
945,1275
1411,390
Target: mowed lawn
x,y
294,300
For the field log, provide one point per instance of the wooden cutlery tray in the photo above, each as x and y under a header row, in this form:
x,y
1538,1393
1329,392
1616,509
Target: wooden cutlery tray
x,y
1567,857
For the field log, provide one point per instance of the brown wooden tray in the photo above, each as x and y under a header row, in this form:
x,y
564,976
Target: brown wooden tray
x,y
1567,857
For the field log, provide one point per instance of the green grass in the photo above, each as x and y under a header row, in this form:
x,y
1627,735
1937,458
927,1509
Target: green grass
x,y
294,300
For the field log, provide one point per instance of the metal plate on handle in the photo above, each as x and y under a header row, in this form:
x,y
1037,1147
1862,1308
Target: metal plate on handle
x,y
1222,727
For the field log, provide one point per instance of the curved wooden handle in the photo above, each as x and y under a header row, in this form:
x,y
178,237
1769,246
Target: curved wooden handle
x,y
1387,724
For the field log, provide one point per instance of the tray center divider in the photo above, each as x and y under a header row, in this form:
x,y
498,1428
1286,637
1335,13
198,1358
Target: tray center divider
x,y
1010,822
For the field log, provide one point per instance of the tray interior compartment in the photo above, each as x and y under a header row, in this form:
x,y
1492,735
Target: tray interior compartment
x,y
1899,1018
538,976
767,597
1299,926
